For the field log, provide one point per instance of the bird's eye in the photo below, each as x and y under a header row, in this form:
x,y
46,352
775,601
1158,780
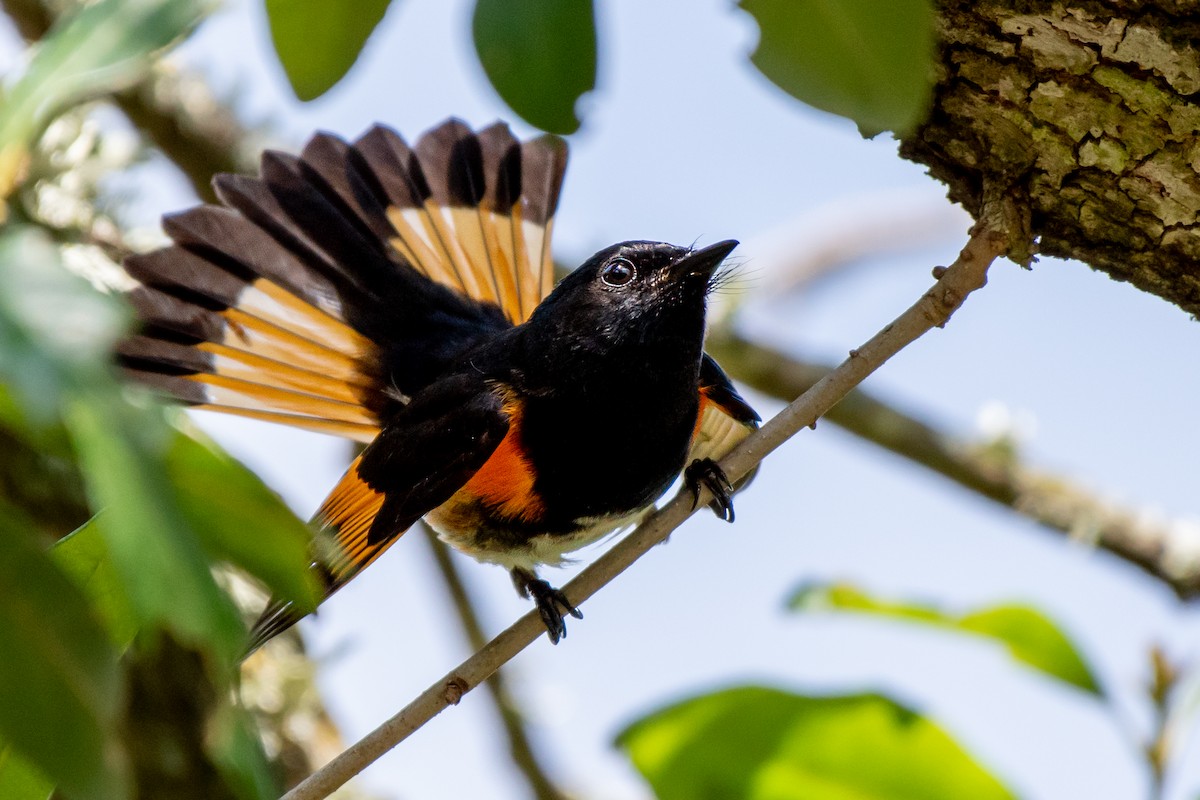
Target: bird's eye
x,y
618,272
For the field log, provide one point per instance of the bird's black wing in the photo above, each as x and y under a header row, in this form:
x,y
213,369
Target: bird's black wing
x,y
422,457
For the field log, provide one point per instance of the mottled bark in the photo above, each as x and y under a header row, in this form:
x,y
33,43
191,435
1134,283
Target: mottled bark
x,y
1089,114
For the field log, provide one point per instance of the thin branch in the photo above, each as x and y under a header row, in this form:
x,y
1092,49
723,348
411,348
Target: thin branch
x,y
520,747
969,272
1163,550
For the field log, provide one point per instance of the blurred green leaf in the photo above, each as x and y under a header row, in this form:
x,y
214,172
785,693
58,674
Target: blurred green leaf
x,y
83,555
1034,640
55,329
56,332
862,59
19,780
98,49
159,558
1029,636
171,503
60,684
540,55
176,727
317,41
241,521
755,743
238,754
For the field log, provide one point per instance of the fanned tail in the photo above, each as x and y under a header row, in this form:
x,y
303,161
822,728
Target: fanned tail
x,y
330,289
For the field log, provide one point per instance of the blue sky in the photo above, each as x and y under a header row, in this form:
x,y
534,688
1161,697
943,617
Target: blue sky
x,y
684,141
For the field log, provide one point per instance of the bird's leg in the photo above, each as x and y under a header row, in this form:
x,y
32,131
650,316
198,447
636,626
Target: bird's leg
x,y
551,603
706,472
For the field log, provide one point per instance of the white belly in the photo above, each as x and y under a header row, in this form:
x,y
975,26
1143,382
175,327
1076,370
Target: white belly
x,y
546,548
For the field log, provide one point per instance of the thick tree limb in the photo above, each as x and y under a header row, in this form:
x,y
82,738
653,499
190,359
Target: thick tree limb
x,y
1168,552
1090,109
969,272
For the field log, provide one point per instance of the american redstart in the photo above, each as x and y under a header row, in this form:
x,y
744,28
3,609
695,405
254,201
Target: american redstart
x,y
402,297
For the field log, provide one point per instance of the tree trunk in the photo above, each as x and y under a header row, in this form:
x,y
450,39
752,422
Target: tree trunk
x,y
1089,114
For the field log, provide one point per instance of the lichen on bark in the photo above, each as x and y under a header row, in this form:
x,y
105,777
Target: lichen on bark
x,y
1089,114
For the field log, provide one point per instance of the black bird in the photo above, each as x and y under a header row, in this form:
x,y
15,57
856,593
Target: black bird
x,y
402,297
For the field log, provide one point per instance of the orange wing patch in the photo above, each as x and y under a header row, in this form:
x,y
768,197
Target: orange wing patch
x,y
348,513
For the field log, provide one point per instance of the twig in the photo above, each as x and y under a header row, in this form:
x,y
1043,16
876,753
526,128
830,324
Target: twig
x,y
969,272
519,745
1164,678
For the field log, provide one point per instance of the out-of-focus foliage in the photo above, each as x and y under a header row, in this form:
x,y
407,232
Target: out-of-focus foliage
x,y
239,520
862,59
141,571
1027,634
172,505
318,41
101,48
871,62
757,743
540,55
143,564
83,556
20,780
60,686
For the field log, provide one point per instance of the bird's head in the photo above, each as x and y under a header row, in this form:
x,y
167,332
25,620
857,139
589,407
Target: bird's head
x,y
635,293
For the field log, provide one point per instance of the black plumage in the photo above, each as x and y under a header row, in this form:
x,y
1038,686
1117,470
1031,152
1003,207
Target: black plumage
x,y
401,296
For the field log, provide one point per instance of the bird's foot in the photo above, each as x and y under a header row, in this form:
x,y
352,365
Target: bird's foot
x,y
707,473
551,603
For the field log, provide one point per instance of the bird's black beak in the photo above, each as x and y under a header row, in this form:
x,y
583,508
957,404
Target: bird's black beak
x,y
702,263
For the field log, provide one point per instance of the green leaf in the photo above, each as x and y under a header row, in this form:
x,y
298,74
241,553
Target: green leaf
x,y
161,563
59,678
317,41
83,556
56,332
756,743
241,521
1034,640
862,59
55,329
177,729
99,49
20,780
237,753
1029,636
540,55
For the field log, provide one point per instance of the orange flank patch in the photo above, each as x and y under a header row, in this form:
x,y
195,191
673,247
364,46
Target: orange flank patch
x,y
705,402
505,481
349,511
717,432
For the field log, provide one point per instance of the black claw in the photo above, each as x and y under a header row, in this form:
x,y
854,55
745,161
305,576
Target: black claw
x,y
551,603
706,472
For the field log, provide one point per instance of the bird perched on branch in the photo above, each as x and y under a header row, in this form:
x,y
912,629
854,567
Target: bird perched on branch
x,y
402,297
